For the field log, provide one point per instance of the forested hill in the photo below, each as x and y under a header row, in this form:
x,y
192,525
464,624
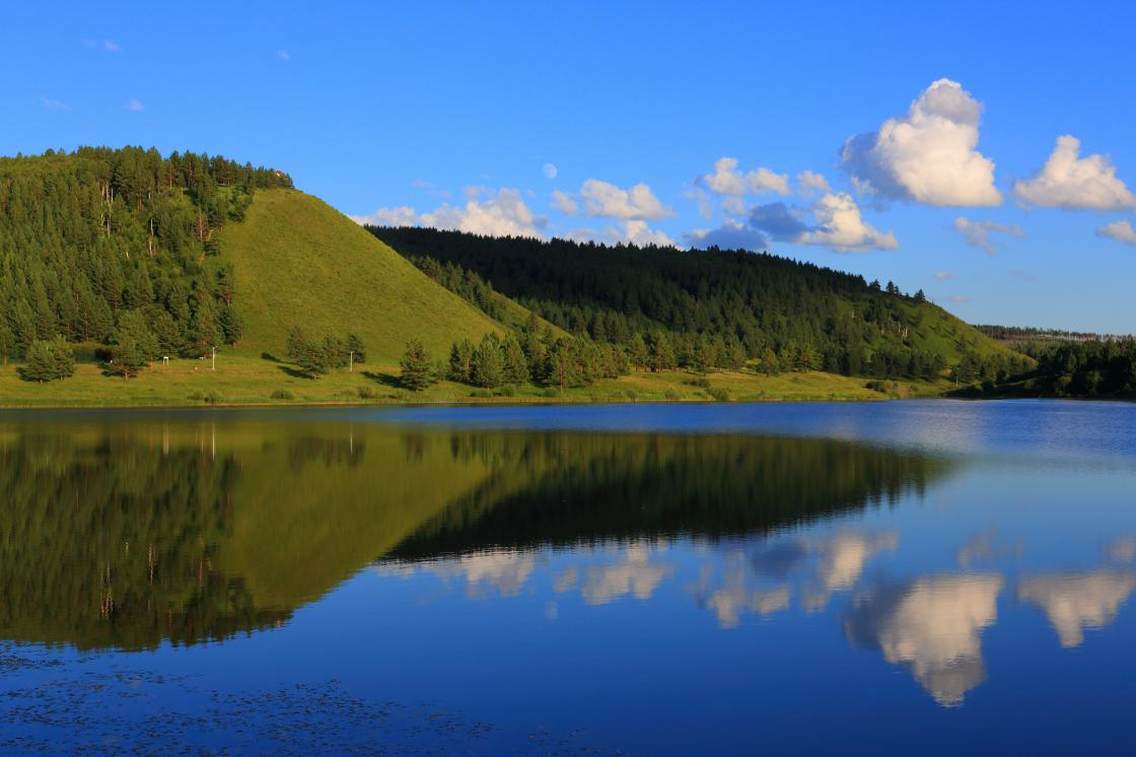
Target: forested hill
x,y
88,236
782,313
141,256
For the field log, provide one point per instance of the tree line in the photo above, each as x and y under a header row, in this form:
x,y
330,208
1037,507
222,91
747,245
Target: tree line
x,y
711,307
1091,369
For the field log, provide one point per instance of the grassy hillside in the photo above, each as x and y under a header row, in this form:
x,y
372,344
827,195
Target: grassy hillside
x,y
296,260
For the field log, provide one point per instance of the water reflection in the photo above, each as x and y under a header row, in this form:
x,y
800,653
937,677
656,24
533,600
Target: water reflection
x,y
1079,601
933,626
122,532
128,534
1122,550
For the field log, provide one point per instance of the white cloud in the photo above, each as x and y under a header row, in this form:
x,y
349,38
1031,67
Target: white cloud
x,y
283,55
609,201
977,233
503,213
809,182
1076,602
639,233
1121,231
549,170
763,180
840,226
400,216
1072,182
111,46
727,180
564,202
625,232
943,275
734,205
929,155
135,105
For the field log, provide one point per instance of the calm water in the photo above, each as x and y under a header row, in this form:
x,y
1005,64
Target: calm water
x,y
645,579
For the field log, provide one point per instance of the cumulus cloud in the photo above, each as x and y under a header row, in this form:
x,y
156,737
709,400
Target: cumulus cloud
x,y
840,226
549,170
1121,231
727,180
639,233
1069,181
500,214
609,201
400,216
564,202
625,232
977,233
933,626
835,222
810,182
731,235
928,155
111,46
779,221
135,105
763,180
283,55
943,275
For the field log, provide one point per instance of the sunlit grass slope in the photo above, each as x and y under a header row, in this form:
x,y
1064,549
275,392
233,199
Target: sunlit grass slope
x,y
298,261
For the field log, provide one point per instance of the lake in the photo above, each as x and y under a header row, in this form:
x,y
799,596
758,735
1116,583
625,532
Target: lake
x,y
647,579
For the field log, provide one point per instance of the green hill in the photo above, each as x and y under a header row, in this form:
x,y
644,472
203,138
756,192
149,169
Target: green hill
x,y
182,253
298,261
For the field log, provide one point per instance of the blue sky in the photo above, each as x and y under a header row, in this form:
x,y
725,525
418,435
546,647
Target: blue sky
x,y
456,114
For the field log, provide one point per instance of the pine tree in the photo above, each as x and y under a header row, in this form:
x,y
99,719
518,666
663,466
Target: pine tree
x,y
637,351
461,362
662,353
40,364
64,358
355,346
516,366
488,369
417,372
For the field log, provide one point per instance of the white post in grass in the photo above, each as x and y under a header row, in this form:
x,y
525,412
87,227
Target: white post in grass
x,y
214,358
351,361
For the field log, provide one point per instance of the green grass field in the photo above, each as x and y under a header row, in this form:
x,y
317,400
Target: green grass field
x,y
244,380
298,261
